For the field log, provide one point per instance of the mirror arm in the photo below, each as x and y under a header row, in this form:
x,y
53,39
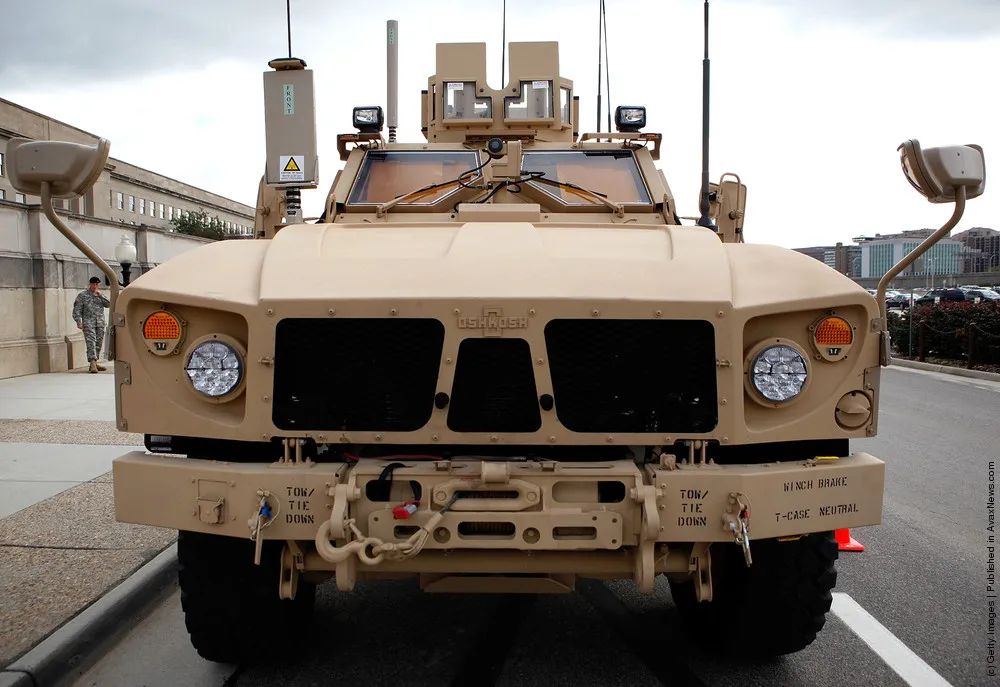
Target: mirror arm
x,y
908,260
50,213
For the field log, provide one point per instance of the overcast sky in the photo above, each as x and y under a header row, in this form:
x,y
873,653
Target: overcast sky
x,y
809,99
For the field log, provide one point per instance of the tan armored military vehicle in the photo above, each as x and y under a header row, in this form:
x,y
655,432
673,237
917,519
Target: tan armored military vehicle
x,y
497,363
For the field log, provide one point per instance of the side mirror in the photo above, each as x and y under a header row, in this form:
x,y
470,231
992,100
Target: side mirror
x,y
936,172
71,169
727,206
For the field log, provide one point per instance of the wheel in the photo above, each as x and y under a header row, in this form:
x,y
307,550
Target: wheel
x,y
231,606
774,607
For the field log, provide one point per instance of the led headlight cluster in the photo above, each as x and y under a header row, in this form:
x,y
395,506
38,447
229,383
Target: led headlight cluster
x,y
214,368
778,373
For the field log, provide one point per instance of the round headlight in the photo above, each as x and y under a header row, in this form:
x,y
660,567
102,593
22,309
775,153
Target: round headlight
x,y
778,373
214,368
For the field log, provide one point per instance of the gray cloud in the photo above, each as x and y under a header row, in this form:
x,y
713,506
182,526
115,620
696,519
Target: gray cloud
x,y
96,41
899,19
101,40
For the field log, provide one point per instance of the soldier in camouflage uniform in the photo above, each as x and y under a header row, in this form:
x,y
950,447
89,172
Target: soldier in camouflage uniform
x,y
88,312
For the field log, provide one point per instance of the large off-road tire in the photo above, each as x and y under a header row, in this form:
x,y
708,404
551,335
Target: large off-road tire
x,y
774,607
231,606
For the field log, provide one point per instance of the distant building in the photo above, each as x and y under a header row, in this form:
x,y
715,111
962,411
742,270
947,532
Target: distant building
x,y
125,193
982,249
844,259
880,252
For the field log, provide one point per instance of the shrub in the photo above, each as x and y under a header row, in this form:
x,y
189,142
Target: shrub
x,y
199,223
946,330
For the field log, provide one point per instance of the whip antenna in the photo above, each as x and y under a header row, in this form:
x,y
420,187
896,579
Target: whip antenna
x,y
288,21
503,48
705,205
600,30
607,62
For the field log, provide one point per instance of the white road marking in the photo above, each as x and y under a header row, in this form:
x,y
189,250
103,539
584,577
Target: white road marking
x,y
896,655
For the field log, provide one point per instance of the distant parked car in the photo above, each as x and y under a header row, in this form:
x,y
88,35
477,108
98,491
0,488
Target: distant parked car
x,y
898,301
981,294
943,294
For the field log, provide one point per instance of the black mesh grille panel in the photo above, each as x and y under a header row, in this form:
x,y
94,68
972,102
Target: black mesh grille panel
x,y
633,375
494,389
356,374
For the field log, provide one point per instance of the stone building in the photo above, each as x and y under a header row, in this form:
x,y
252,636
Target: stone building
x,y
41,272
125,193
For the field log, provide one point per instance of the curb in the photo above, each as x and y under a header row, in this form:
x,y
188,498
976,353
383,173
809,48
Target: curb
x,y
946,369
70,645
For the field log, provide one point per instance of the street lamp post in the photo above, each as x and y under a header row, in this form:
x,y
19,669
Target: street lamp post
x,y
125,255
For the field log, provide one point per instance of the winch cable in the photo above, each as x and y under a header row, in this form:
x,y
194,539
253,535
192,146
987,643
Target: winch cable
x,y
387,473
415,544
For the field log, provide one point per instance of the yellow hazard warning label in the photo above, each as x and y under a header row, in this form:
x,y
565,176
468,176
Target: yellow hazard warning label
x,y
291,168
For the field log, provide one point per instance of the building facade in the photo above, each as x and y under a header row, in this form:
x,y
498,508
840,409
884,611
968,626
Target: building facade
x,y
125,193
880,252
41,272
844,259
982,249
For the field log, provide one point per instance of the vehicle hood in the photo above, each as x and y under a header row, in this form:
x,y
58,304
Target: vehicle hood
x,y
499,260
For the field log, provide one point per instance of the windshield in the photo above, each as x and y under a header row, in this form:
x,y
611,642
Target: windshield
x,y
611,173
386,175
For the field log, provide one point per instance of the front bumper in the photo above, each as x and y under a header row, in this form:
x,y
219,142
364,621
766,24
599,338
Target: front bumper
x,y
533,506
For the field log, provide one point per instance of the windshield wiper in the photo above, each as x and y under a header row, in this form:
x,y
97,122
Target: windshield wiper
x,y
599,197
385,207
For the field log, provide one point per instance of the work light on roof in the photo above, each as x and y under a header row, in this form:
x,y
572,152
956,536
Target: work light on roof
x,y
368,119
629,118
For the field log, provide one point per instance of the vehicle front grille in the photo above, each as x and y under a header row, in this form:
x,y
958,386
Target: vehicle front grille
x,y
494,389
356,374
633,375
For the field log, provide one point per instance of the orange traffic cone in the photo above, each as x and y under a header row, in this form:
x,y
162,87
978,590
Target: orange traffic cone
x,y
845,542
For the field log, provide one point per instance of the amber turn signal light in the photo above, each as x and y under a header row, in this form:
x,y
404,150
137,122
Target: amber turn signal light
x,y
834,331
161,326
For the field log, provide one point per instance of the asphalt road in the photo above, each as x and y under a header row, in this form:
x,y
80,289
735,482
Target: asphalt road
x,y
922,577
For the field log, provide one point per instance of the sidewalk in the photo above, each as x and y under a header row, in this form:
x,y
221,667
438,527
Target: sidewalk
x,y
60,547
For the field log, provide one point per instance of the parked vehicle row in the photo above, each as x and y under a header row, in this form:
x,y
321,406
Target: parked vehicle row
x,y
901,300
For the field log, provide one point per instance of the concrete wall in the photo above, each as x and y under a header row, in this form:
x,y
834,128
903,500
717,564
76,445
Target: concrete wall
x,y
41,273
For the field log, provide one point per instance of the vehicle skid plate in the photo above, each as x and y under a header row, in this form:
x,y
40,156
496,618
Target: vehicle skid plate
x,y
503,505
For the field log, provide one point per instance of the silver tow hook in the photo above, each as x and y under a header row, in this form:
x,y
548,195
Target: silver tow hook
x,y
737,519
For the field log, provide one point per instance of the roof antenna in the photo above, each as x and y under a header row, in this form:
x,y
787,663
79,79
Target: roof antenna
x,y
607,62
600,29
503,49
288,20
705,205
